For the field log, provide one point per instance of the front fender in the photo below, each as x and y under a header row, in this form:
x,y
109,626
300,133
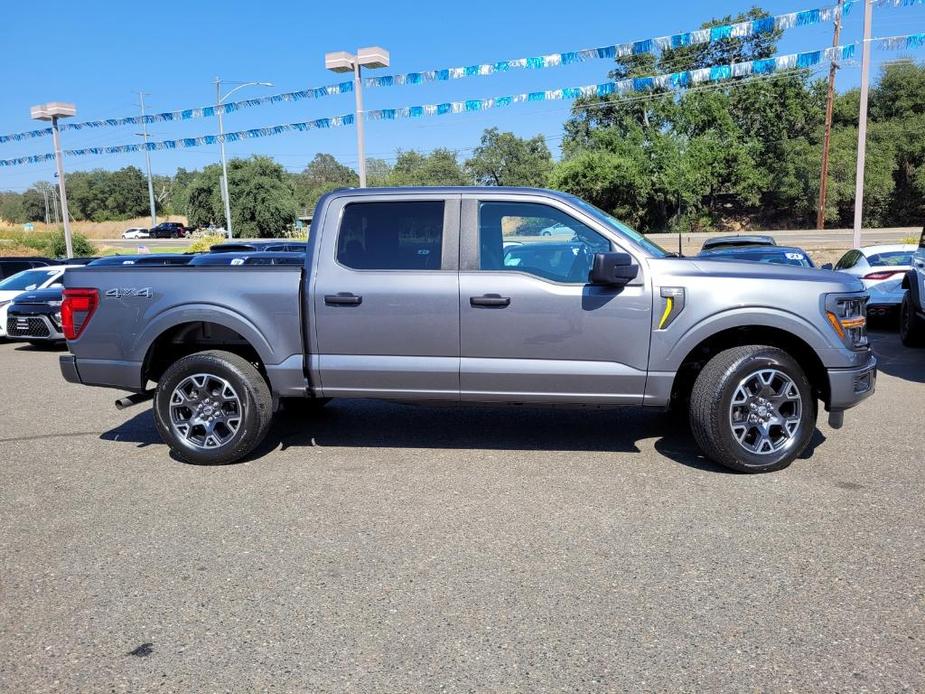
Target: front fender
x,y
669,351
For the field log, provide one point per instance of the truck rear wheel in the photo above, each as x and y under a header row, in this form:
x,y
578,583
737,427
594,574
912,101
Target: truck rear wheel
x,y
212,407
752,409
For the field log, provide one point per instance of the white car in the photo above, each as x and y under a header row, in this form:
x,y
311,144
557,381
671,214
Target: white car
x,y
26,281
135,233
557,229
881,269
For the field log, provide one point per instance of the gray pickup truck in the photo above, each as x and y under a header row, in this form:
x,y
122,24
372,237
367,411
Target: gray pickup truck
x,y
457,294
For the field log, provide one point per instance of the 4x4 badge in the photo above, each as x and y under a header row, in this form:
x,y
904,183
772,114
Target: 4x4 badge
x,y
127,292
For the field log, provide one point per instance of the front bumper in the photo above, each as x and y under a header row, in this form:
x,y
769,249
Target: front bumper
x,y
848,387
33,327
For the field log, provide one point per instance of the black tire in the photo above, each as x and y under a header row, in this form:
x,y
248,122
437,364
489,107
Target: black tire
x,y
253,394
712,400
911,325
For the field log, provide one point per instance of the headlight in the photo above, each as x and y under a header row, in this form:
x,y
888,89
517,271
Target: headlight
x,y
847,314
54,303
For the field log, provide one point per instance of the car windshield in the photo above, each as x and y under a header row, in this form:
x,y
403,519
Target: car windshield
x,y
608,219
891,258
28,279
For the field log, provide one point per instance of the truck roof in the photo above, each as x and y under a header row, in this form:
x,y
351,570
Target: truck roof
x,y
445,190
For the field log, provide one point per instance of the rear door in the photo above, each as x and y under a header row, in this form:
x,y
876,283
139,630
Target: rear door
x,y
385,300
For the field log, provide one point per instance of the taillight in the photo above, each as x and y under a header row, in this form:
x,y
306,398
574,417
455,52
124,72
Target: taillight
x,y
883,274
77,308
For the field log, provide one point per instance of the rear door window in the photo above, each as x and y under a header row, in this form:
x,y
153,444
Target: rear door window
x,y
391,235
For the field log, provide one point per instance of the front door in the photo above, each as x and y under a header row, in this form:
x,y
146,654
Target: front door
x,y
532,328
385,304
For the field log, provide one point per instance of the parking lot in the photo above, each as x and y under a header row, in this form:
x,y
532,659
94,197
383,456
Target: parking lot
x,y
405,548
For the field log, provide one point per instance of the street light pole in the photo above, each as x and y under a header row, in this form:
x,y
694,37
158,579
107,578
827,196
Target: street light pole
x,y
223,184
144,134
862,125
360,117
221,141
51,112
342,61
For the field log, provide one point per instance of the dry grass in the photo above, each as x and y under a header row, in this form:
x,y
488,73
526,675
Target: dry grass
x,y
109,230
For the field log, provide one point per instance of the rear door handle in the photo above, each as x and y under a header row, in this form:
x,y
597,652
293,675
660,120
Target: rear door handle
x,y
490,301
343,299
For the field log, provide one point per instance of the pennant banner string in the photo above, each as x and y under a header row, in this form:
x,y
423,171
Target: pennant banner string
x,y
701,36
675,80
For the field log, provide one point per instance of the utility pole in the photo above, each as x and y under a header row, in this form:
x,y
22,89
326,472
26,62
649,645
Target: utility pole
x,y
144,134
827,138
45,195
862,124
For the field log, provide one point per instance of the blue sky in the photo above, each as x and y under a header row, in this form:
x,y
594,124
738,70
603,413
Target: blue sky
x,y
173,50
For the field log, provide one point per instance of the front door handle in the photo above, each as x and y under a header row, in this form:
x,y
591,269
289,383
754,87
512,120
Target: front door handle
x,y
490,301
343,299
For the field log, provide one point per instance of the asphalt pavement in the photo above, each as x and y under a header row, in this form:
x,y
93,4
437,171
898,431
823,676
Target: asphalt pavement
x,y
384,547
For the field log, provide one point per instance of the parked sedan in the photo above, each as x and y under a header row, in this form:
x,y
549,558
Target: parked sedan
x,y
135,233
775,255
881,269
35,316
27,280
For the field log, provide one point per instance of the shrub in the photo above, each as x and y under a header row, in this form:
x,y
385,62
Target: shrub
x,y
204,243
57,248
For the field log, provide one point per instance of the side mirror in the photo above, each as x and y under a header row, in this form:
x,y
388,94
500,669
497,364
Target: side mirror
x,y
613,269
827,266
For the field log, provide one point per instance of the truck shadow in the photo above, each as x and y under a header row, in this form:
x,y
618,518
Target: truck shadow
x,y
895,359
376,424
379,424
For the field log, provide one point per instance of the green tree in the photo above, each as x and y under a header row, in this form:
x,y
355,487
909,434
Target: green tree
x,y
439,168
11,207
262,200
503,159
322,175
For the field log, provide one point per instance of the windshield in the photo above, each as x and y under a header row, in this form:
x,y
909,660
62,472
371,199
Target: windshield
x,y
608,219
28,279
891,258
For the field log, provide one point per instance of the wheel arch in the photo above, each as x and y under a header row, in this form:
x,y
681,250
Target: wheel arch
x,y
794,345
195,331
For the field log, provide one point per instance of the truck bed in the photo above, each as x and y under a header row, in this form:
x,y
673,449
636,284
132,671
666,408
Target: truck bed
x,y
146,309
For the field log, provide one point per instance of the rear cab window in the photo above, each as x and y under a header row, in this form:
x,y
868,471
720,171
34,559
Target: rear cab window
x,y
400,235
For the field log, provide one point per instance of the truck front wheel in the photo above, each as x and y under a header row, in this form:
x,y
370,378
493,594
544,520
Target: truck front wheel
x,y
752,409
212,407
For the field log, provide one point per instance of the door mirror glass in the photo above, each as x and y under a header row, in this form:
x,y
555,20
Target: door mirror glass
x,y
827,266
613,269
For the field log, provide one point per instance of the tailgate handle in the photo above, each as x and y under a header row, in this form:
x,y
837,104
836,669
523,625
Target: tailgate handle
x,y
343,299
490,300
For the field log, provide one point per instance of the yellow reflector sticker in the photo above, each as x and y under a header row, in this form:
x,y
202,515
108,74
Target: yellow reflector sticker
x,y
669,304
